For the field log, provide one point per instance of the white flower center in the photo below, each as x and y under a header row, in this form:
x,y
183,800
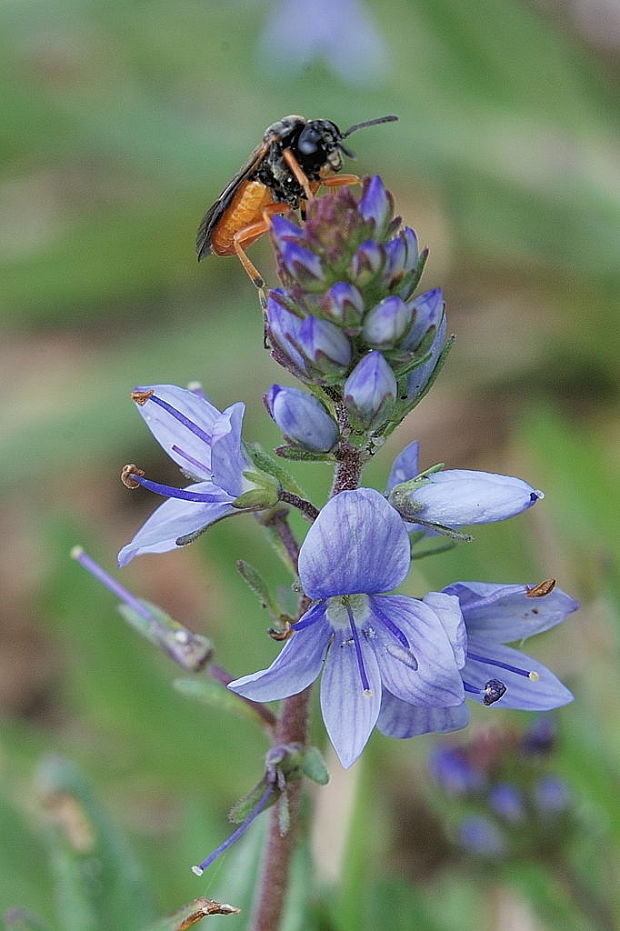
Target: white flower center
x,y
337,614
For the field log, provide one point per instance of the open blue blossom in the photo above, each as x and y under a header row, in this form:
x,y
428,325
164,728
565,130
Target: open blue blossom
x,y
455,497
206,444
369,643
494,615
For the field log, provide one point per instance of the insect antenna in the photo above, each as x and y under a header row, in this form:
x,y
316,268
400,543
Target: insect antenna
x,y
380,119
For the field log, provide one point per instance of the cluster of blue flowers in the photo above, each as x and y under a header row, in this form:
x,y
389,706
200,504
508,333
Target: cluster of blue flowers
x,y
349,326
500,796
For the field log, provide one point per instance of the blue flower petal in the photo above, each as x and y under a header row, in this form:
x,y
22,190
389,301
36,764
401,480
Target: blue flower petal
x,y
448,610
458,497
170,432
297,665
227,460
400,719
405,466
357,544
504,613
427,673
522,693
349,712
173,519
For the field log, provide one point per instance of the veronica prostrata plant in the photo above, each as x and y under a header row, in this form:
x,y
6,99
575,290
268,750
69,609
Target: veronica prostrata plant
x,y
365,345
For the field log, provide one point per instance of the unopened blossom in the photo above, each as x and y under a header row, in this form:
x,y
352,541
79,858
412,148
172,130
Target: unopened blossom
x,y
302,418
454,497
206,445
367,643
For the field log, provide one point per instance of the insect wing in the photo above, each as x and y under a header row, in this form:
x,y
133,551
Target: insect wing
x,y
215,213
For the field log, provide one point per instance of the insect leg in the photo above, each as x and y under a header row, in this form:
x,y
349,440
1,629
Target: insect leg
x,y
246,236
340,180
300,175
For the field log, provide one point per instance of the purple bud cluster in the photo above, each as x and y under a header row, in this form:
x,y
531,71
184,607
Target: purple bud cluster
x,y
346,319
502,798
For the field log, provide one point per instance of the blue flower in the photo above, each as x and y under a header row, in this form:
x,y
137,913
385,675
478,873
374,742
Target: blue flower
x,y
206,444
494,615
455,497
370,644
302,418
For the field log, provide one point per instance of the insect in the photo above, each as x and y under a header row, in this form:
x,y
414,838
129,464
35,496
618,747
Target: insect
x,y
294,159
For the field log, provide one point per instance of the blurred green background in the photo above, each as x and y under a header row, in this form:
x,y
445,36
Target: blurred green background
x,y
121,122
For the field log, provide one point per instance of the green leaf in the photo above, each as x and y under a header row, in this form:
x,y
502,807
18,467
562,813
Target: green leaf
x,y
313,766
267,463
191,651
257,584
99,884
209,692
246,805
297,454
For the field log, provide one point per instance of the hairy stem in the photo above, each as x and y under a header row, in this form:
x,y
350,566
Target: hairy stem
x,y
307,509
292,728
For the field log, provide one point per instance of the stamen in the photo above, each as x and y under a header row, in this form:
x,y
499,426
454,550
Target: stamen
x,y
169,491
539,591
310,618
111,584
491,692
528,673
130,474
199,870
358,649
195,429
391,626
199,465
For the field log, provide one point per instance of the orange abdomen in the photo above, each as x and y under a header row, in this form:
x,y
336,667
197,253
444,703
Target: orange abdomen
x,y
245,209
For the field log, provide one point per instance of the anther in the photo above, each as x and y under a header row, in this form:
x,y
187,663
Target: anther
x,y
539,591
141,397
493,691
126,475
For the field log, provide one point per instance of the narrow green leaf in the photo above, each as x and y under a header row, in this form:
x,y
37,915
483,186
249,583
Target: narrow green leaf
x,y
257,584
99,884
265,461
191,651
214,694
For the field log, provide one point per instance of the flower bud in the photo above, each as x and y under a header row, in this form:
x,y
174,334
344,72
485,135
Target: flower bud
x,y
427,312
451,768
282,327
299,265
506,800
419,378
370,389
367,262
552,795
343,304
376,205
385,324
459,497
302,418
324,345
481,836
